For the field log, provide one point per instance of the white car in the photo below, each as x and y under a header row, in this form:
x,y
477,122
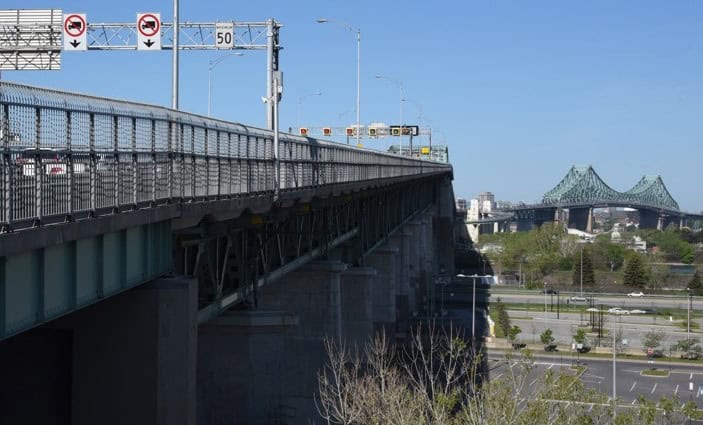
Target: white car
x,y
617,310
636,294
637,311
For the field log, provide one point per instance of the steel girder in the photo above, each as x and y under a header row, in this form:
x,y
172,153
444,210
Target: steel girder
x,y
233,259
583,186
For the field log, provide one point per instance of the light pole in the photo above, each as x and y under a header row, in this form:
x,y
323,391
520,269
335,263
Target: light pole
x,y
473,312
358,72
300,103
545,306
400,86
688,317
212,64
581,270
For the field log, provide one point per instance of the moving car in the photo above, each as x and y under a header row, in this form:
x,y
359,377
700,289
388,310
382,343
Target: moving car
x,y
636,294
549,291
577,298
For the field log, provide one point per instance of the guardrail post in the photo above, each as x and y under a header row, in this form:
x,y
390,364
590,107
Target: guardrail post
x,y
154,164
69,135
8,187
38,169
93,165
134,163
207,163
116,171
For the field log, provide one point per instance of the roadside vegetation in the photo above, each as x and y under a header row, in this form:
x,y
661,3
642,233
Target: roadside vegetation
x,y
435,379
548,254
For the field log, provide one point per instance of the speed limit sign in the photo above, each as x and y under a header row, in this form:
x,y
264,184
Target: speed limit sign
x,y
224,35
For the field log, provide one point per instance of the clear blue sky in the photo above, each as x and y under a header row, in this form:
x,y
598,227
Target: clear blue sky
x,y
519,90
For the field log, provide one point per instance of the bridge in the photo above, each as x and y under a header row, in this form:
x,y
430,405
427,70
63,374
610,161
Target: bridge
x,y
129,231
574,198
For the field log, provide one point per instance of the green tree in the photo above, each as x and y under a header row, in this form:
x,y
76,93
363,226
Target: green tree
x,y
580,336
653,339
546,337
695,284
588,275
689,344
513,333
635,273
503,318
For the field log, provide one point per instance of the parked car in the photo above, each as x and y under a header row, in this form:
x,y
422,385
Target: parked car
x,y
636,294
549,291
650,311
577,298
635,311
584,349
518,345
550,347
618,310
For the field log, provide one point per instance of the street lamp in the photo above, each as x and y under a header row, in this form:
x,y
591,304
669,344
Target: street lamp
x,y
358,71
212,64
545,306
688,317
300,102
581,270
400,86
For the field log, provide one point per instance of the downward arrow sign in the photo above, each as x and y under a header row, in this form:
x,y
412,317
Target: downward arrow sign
x,y
149,43
75,43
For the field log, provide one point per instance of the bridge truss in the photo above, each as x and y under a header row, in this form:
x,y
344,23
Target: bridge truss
x,y
583,186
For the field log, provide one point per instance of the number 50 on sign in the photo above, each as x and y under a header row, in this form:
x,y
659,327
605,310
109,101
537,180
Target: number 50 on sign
x,y
224,35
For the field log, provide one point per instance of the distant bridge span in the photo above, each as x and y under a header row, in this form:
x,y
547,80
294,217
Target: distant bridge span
x,y
582,190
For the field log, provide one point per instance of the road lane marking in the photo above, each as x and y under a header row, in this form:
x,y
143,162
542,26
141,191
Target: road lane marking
x,y
550,366
691,376
676,391
633,386
633,402
654,388
499,375
533,382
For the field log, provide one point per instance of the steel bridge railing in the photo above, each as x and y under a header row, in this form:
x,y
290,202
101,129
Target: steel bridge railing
x,y
66,155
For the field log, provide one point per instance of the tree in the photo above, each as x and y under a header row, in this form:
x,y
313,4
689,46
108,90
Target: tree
x,y
436,379
513,333
503,318
580,336
635,274
588,276
689,344
653,339
546,337
695,284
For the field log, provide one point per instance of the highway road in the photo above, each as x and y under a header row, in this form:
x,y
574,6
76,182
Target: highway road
x,y
612,300
629,384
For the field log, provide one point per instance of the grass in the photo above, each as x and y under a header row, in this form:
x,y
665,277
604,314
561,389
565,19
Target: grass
x,y
677,314
655,372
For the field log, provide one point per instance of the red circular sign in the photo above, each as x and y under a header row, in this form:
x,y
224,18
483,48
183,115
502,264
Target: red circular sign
x,y
650,351
148,25
74,26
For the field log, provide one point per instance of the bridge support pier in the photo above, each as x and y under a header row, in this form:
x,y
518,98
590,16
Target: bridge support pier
x,y
405,298
385,288
579,218
106,364
286,347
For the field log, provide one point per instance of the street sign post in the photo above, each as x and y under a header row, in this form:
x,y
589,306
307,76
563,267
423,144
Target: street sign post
x,y
75,36
224,35
148,31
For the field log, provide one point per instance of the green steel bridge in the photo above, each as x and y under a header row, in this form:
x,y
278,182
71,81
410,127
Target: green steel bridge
x,y
582,190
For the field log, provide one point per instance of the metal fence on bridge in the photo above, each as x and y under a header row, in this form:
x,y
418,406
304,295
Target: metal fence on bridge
x,y
66,155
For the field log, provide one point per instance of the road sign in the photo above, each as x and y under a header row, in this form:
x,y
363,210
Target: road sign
x,y
224,35
408,130
148,31
327,131
75,35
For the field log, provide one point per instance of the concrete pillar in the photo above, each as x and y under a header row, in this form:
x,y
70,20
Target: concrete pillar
x,y
589,222
660,222
384,289
681,223
134,356
287,347
357,305
403,301
242,362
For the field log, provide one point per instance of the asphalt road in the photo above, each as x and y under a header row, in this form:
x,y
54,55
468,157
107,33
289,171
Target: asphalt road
x,y
654,301
629,383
